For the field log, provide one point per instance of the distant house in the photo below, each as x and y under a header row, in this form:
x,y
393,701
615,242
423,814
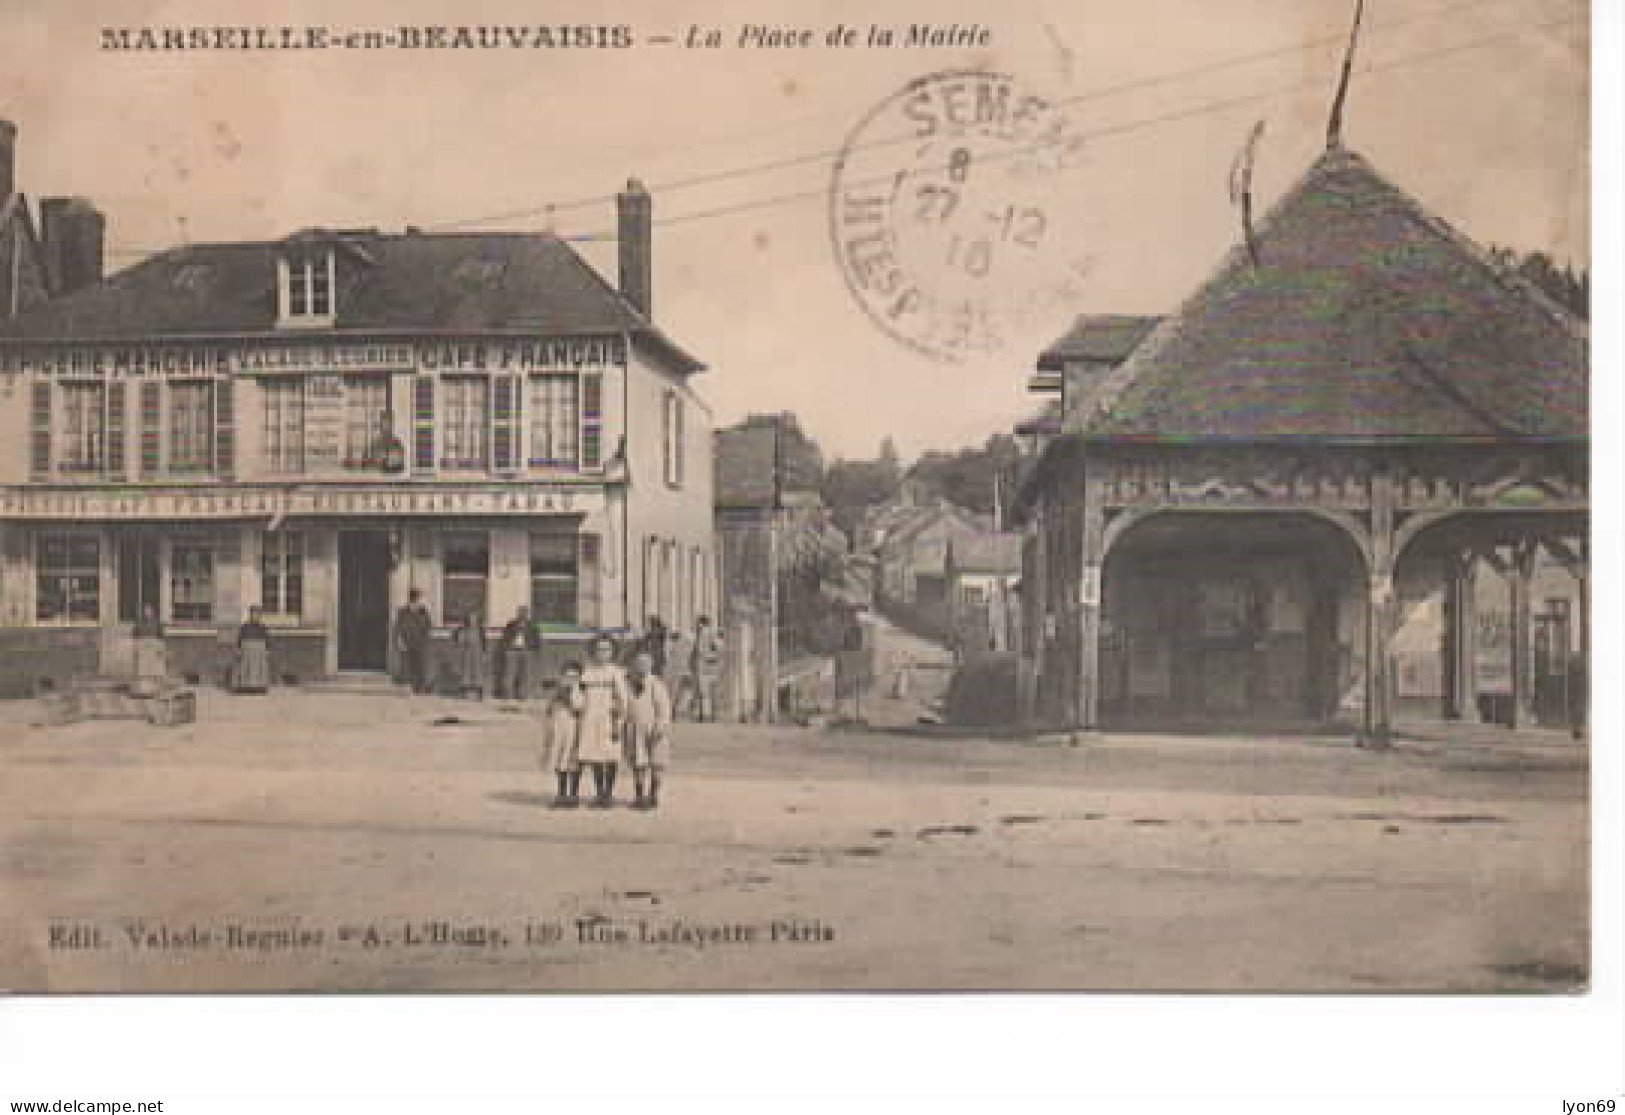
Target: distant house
x,y
770,521
912,555
983,575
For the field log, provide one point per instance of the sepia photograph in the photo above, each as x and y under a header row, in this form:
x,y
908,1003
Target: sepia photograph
x,y
796,497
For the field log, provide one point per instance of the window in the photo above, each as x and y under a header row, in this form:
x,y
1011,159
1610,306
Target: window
x,y
84,427
555,418
553,572
367,421
282,574
283,403
672,430
68,578
191,582
307,288
972,595
465,565
191,427
466,418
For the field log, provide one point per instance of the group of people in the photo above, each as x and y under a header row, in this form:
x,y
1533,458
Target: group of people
x,y
601,716
690,667
250,669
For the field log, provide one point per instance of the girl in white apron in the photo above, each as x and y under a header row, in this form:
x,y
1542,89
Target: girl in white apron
x,y
562,750
603,686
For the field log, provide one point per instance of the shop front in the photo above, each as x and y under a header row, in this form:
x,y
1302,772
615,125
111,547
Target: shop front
x,y
328,570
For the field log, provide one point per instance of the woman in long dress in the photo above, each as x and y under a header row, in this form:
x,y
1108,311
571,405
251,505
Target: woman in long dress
x,y
469,640
253,655
604,701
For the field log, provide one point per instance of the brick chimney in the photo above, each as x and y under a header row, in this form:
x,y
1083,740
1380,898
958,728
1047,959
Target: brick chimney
x,y
8,159
72,231
634,230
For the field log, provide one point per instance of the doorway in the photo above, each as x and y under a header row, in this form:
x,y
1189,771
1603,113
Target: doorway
x,y
363,600
139,578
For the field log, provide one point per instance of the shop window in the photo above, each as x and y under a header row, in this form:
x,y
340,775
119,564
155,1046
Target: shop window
x,y
555,421
466,417
283,404
282,574
672,428
465,564
84,428
367,422
191,427
68,576
554,574
191,582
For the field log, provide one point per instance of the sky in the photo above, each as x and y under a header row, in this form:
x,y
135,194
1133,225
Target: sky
x,y
1479,109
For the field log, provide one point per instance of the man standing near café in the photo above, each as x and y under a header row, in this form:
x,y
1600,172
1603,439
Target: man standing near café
x,y
519,646
705,668
412,630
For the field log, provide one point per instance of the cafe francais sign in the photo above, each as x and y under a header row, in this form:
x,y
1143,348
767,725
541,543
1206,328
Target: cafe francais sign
x,y
241,503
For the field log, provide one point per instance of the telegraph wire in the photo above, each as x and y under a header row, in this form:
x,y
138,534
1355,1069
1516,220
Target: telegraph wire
x,y
1126,128
1104,92
1103,132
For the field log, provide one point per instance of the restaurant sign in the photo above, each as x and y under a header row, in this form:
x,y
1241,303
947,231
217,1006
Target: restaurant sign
x,y
239,503
507,354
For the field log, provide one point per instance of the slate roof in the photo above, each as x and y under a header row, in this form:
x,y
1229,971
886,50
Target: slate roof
x,y
406,283
1098,338
1366,319
989,552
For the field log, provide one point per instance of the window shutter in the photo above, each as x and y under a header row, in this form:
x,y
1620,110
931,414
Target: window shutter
x,y
588,595
677,438
505,424
39,455
115,429
225,429
152,415
592,421
423,423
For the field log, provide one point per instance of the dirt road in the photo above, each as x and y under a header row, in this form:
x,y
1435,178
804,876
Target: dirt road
x,y
348,842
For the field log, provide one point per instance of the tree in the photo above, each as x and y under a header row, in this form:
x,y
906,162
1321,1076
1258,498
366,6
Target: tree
x,y
1568,287
968,477
850,488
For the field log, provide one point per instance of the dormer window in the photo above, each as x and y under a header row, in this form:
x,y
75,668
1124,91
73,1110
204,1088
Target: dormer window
x,y
306,289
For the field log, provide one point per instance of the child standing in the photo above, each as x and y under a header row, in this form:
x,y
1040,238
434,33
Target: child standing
x,y
562,736
604,693
648,730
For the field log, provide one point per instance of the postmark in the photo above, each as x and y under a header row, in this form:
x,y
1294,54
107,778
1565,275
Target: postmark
x,y
950,215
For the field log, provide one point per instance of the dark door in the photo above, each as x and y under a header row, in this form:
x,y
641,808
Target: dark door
x,y
363,600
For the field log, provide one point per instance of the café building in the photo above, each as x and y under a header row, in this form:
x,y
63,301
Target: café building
x,y
321,425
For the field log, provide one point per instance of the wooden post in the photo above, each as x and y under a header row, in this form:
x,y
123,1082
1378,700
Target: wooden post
x,y
1523,572
1038,611
1379,604
1461,665
1091,582
1580,686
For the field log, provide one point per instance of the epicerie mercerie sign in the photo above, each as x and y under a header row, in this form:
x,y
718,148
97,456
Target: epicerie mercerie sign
x,y
518,354
193,503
